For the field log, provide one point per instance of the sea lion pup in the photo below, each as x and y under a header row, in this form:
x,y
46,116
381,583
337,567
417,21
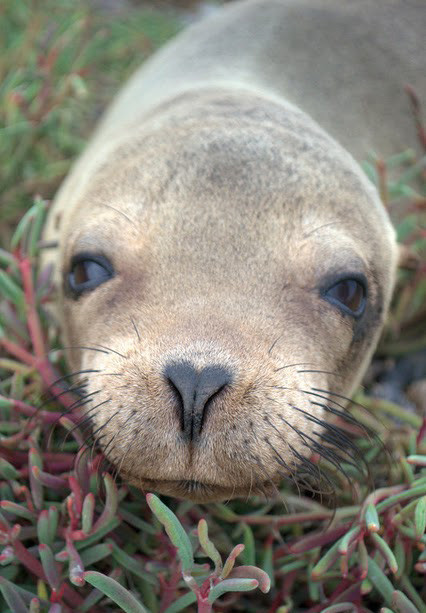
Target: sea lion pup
x,y
225,266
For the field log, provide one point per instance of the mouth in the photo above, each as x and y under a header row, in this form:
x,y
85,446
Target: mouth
x,y
198,491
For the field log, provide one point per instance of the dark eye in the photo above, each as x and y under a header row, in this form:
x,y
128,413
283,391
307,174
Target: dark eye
x,y
349,295
88,271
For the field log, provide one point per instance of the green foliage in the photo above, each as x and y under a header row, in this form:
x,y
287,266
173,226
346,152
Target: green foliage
x,y
60,534
68,545
60,63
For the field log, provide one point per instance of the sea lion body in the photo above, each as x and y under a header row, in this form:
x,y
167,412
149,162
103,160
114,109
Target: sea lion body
x,y
224,218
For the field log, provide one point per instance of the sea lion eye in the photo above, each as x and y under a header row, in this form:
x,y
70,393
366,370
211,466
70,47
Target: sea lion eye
x,y
88,272
349,294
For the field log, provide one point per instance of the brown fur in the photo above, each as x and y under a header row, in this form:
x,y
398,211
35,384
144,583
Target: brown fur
x,y
222,207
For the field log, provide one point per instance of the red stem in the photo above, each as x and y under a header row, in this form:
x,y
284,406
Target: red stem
x,y
170,588
40,361
48,417
422,432
203,605
48,376
315,540
53,462
33,565
18,352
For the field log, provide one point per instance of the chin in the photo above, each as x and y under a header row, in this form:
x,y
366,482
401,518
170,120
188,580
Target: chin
x,y
197,491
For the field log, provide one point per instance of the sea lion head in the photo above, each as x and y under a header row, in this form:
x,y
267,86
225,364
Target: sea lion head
x,y
225,275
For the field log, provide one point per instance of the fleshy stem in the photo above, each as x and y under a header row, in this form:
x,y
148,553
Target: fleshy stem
x,y
39,361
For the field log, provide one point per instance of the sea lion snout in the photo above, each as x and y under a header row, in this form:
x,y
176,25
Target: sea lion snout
x,y
194,393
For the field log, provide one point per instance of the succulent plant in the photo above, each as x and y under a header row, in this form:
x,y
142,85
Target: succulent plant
x,y
73,537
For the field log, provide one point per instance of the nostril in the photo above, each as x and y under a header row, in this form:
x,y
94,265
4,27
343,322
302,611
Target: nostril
x,y
208,403
194,392
178,401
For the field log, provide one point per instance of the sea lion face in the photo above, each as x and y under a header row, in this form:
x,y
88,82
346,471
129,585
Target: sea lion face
x,y
231,276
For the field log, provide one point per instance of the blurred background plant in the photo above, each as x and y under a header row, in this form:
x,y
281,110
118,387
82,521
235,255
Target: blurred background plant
x,y
73,537
60,63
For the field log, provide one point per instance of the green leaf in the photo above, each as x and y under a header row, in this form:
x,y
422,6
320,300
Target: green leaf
x,y
372,518
132,565
252,572
36,226
137,522
87,513
10,290
174,530
116,592
399,551
50,566
208,547
347,539
327,561
76,566
230,561
420,517
37,493
380,581
94,554
22,227
98,535
341,607
43,529
7,471
182,602
111,504
267,563
403,604
53,522
17,509
249,553
232,585
386,552
12,597
35,605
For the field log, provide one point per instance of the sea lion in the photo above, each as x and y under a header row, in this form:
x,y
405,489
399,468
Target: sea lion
x,y
224,265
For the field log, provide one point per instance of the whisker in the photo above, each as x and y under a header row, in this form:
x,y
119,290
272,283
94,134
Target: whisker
x,y
294,476
324,372
317,474
259,484
292,365
112,351
338,432
274,343
54,397
76,405
83,347
289,476
343,414
135,328
72,374
350,400
105,424
113,374
120,212
327,454
117,471
87,416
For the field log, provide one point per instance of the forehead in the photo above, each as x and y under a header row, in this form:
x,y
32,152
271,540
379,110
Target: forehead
x,y
207,183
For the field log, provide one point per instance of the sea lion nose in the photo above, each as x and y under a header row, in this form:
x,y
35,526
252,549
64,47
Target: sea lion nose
x,y
194,391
